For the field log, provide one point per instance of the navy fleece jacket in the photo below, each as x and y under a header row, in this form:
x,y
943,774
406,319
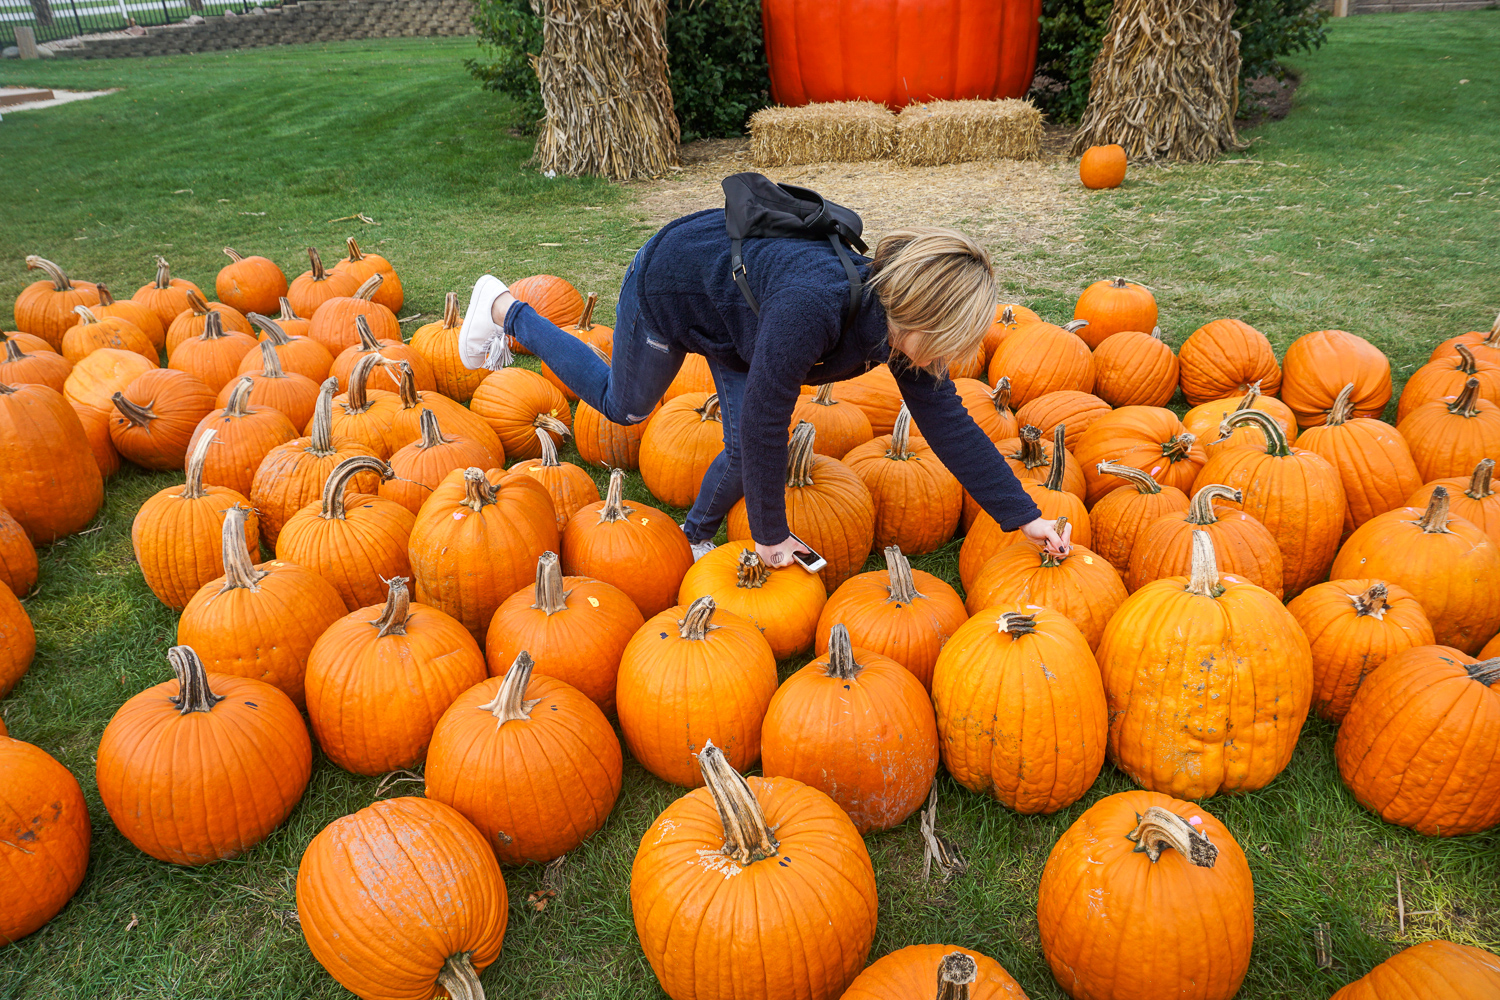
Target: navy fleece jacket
x,y
688,297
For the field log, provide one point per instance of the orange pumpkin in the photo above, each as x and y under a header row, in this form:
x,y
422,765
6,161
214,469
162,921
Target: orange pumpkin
x,y
680,443
1206,421
1008,316
38,878
1020,708
1102,167
601,441
361,266
315,286
1224,358
917,500
569,486
19,638
300,354
554,299
1031,460
600,338
1446,377
406,421
19,567
1150,438
877,394
367,415
1449,437
214,356
418,467
1429,969
858,727
51,484
246,434
1116,306
1319,364
514,402
388,348
1373,461
1039,358
693,376
1135,369
690,675
291,323
1243,546
840,425
1122,514
333,322
438,344
1051,499
634,547
1067,407
1484,344
45,308
990,408
156,415
92,333
293,393
166,296
193,321
783,603
910,972
24,362
1472,498
250,284
133,312
90,388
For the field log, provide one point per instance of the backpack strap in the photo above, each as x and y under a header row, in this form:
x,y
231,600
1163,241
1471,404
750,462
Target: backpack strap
x,y
737,272
855,289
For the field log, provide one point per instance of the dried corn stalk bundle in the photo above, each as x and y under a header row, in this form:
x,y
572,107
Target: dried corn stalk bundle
x,y
1165,84
837,132
603,74
939,132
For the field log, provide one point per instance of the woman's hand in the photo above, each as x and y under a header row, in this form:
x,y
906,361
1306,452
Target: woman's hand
x,y
780,554
1040,533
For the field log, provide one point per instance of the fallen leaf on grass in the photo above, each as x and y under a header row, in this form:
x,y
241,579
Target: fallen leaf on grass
x,y
134,923
538,900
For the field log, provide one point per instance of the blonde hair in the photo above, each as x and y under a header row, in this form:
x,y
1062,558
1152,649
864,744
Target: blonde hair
x,y
939,282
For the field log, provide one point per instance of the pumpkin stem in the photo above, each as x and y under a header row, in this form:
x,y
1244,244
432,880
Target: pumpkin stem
x,y
1343,406
956,973
1048,559
238,404
239,572
355,400
192,487
1054,480
287,312
105,298
192,694
316,263
750,570
1466,360
899,582
1000,396
709,410
1117,282
139,416
551,425
1015,624
392,620
338,481
1139,478
1203,577
370,286
586,321
320,431
550,596
614,508
478,493
549,449
824,395
1276,443
233,254
458,977
367,341
272,329
1179,447
1161,828
1252,393
13,350
354,251
799,455
510,704
1073,326
197,303
747,838
163,272
213,326
1479,486
406,383
1466,404
270,361
1032,455
698,621
841,662
1156,334
1486,672
1372,603
1201,509
88,318
900,449
452,318
432,434
1008,316
60,281
1434,520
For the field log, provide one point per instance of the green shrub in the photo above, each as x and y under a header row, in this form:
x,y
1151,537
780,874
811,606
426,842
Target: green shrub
x,y
717,60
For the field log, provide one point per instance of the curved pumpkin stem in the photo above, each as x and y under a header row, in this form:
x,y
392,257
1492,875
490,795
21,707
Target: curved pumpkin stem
x,y
550,596
356,400
747,837
552,425
1000,396
272,329
192,694
1139,478
239,572
87,316
320,431
478,492
287,312
1252,393
549,449
1434,520
1059,465
1343,406
1486,672
799,455
510,704
586,321
900,585
192,487
750,570
315,264
458,977
452,318
60,281
233,254
392,620
1161,828
1073,326
698,620
1466,404
138,416
708,411
105,298
238,404
1276,443
956,973
614,508
1201,509
1048,559
338,481
369,287
367,341
1466,360
900,449
824,395
1372,603
1479,485
198,304
406,382
1032,455
1179,447
1203,575
1156,334
432,434
1015,624
355,253
841,662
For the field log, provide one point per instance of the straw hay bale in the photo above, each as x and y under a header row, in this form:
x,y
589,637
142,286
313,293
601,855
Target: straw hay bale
x,y
603,75
1165,84
962,131
836,132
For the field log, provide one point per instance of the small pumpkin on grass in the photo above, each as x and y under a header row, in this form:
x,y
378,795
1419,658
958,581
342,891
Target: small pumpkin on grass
x,y
300,354
419,467
17,640
1224,358
26,362
193,321
313,287
858,727
361,266
18,562
783,603
1318,365
1122,514
1448,437
908,974
293,393
690,675
1243,547
133,312
1135,369
52,485
156,416
38,879
214,356
204,767
917,500
1114,306
632,546
1373,461
768,849
407,877
250,284
505,748
681,441
840,425
1472,498
514,402
570,487
1430,969
45,308
92,333
165,295
438,344
1102,167
246,434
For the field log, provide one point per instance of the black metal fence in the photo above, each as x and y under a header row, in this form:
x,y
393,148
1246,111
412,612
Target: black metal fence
x,y
54,19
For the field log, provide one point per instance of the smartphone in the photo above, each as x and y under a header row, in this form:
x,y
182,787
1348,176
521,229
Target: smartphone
x,y
809,560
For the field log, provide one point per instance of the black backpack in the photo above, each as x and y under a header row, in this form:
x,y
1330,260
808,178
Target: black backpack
x,y
755,206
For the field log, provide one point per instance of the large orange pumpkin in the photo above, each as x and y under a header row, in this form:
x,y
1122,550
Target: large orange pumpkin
x,y
771,851
1135,369
1151,438
554,298
1081,586
1417,745
249,284
1319,364
92,332
361,266
333,322
1206,421
877,394
917,500
34,362
390,348
1106,909
690,675
990,408
293,393
1472,498
1224,358
166,296
1115,306
46,848
681,441
1352,627
419,467
156,415
986,538
379,678
1039,358
1008,316
570,487
45,308
601,441
1448,437
858,727
1448,564
438,344
514,402
214,356
1484,343
129,309
573,628
909,973
1446,377
51,483
193,322
297,353
405,878
1122,514
1243,547
365,414
204,767
315,286
18,637
783,603
1209,680
90,388
1430,969
840,425
634,547
245,435
530,761
1020,709
1373,460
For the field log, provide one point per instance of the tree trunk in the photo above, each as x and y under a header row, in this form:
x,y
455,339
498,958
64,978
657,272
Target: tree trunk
x,y
42,9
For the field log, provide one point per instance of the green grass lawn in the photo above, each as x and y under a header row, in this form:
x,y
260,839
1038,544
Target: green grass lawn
x,y
1372,208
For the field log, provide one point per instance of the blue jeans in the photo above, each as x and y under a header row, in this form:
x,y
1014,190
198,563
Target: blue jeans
x,y
643,364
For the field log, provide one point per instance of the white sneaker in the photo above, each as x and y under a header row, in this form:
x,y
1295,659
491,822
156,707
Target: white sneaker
x,y
700,549
481,342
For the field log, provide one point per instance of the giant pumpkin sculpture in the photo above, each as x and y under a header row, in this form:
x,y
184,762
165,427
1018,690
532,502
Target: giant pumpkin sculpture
x,y
204,767
1147,897
784,860
1209,681
42,863
400,898
1430,969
